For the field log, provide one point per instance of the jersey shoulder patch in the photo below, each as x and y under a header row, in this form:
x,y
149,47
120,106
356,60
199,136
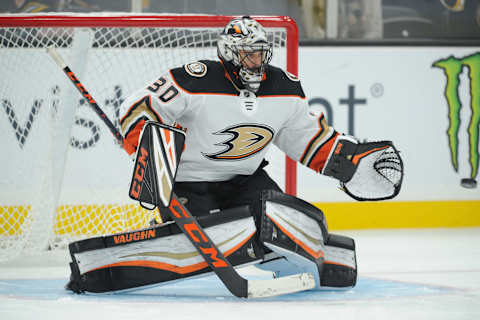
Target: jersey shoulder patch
x,y
196,69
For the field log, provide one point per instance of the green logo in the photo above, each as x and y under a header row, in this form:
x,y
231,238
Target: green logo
x,y
452,68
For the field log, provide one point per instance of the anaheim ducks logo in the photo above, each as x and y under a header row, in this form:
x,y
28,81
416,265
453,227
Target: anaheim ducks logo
x,y
245,141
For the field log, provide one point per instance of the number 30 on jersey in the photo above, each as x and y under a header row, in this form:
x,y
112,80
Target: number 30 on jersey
x,y
164,93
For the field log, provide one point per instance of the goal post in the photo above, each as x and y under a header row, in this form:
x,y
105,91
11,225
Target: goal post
x,y
63,175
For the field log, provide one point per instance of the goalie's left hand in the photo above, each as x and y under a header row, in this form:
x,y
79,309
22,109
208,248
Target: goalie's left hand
x,y
366,171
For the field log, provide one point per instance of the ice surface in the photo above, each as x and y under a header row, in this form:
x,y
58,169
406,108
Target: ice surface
x,y
404,274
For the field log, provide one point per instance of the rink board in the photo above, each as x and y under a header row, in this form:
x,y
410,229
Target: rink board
x,y
401,214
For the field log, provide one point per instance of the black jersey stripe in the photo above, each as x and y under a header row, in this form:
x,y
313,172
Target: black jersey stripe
x,y
315,140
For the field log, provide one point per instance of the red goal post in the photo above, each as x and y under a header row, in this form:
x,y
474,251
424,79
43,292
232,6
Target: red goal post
x,y
34,97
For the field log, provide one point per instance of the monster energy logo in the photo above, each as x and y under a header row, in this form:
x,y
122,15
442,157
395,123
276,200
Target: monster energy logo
x,y
452,68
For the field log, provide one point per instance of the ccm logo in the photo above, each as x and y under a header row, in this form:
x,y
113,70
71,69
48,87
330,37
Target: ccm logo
x,y
196,234
139,173
81,87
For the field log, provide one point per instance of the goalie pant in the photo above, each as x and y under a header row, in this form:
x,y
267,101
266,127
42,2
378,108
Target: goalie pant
x,y
293,238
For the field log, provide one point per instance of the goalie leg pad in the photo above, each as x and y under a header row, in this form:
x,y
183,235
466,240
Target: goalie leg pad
x,y
295,230
297,234
160,254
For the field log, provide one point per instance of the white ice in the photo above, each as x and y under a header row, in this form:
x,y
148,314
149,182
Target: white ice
x,y
403,274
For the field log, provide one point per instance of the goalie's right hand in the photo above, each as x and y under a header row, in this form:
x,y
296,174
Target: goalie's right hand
x,y
366,171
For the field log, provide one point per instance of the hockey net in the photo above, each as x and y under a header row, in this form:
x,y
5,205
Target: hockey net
x,y
63,176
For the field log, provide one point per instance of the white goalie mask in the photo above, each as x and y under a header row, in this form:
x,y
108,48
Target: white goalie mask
x,y
244,43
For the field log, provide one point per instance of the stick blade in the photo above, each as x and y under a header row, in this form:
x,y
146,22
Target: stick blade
x,y
285,285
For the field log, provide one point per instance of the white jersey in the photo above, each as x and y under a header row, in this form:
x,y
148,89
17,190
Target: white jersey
x,y
228,131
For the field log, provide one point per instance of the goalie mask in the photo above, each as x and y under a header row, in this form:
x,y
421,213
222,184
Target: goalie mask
x,y
243,43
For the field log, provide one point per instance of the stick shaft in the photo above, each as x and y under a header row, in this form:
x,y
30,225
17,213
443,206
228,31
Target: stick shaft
x,y
81,88
237,285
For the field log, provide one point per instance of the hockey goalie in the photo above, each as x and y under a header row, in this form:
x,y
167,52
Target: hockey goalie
x,y
199,134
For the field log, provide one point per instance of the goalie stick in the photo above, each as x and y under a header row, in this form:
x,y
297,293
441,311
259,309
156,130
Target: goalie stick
x,y
235,283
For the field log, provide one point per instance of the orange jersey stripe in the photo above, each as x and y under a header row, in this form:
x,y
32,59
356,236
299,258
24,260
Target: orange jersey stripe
x,y
321,155
282,96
